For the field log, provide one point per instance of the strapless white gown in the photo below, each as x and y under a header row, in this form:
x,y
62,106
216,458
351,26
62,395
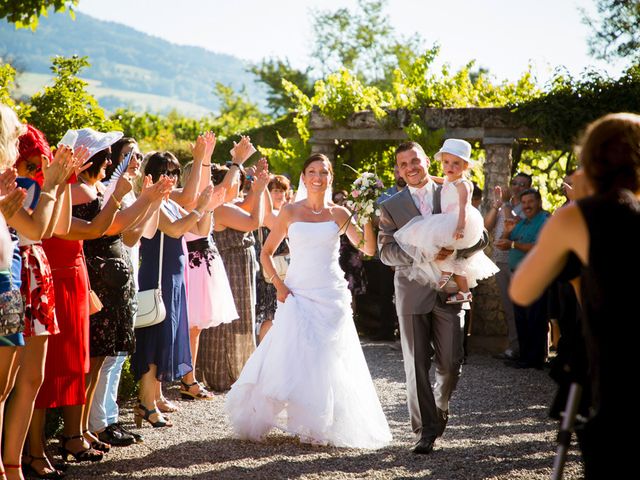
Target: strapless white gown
x,y
309,376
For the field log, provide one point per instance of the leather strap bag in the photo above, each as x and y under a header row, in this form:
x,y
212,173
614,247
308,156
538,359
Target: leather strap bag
x,y
151,310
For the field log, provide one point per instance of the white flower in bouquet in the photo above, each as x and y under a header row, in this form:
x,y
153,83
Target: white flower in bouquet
x,y
365,191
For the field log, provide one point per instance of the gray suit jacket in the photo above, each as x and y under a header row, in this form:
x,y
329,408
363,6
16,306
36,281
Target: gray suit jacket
x,y
412,298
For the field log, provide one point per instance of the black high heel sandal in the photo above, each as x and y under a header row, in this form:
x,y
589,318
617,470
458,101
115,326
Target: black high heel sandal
x,y
147,416
29,470
86,455
97,444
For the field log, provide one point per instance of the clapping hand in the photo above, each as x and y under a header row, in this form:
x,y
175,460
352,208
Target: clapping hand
x,y
242,150
59,169
497,196
217,198
262,180
8,181
12,202
80,157
204,198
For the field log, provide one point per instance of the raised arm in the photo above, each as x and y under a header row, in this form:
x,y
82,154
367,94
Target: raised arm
x,y
365,241
88,230
566,231
187,195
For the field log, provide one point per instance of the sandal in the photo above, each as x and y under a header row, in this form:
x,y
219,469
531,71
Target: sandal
x,y
84,455
31,471
96,444
460,297
202,393
444,279
166,406
159,423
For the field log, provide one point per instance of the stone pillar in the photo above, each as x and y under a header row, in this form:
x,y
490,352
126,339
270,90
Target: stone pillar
x,y
497,167
328,147
488,329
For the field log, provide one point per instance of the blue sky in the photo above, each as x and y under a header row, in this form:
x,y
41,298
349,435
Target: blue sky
x,y
504,36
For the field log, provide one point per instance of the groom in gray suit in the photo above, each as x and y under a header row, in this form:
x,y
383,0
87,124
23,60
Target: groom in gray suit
x,y
429,327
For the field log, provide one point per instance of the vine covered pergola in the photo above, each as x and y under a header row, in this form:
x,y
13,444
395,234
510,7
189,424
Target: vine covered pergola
x,y
497,130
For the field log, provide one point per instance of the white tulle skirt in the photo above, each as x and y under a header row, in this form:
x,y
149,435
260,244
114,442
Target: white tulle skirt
x,y
309,377
423,237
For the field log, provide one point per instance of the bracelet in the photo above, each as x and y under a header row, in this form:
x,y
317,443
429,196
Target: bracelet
x,y
48,195
116,201
206,164
513,244
234,164
197,212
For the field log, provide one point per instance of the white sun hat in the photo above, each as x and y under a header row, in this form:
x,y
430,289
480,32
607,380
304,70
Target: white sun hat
x,y
457,147
93,140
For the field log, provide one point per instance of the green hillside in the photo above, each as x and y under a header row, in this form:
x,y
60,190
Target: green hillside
x,y
126,63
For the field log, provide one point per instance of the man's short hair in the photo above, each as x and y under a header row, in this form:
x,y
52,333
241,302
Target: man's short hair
x,y
405,146
531,191
524,175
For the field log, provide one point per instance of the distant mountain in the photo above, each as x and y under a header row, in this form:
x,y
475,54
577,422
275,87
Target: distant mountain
x,y
124,60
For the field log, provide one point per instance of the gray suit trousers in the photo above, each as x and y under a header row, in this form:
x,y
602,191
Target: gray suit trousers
x,y
438,334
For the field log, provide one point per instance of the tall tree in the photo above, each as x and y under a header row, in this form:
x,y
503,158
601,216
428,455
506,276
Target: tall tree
x,y
271,72
67,103
362,41
25,13
615,29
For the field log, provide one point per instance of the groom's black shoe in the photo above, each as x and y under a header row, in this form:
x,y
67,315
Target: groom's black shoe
x,y
443,418
424,446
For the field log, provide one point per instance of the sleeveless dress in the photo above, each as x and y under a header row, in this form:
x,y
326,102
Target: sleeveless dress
x,y
309,376
226,348
209,295
422,238
37,282
609,284
266,297
67,352
111,278
166,344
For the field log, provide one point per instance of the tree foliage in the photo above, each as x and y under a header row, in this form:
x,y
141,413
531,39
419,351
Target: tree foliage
x,y
25,13
615,29
361,41
271,72
67,104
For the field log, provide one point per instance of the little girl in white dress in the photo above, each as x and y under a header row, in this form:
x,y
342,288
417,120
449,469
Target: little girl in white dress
x,y
459,226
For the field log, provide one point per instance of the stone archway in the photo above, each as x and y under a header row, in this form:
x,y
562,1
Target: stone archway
x,y
498,131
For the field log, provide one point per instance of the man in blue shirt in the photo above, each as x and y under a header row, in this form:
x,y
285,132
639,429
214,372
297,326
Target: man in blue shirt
x,y
531,322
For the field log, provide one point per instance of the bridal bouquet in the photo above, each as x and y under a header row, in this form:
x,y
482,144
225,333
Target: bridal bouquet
x,y
365,191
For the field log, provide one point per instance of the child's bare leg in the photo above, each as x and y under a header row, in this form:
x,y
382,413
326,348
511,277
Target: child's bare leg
x,y
444,279
462,283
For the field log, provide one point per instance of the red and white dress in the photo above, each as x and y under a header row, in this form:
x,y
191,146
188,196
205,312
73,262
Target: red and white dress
x,y
37,281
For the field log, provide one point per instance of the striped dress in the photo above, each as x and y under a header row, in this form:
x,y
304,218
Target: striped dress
x,y
226,348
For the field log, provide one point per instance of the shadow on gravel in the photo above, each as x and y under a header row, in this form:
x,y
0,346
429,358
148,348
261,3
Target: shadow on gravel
x,y
282,457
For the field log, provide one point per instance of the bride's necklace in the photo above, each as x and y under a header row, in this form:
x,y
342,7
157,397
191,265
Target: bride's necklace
x,y
315,212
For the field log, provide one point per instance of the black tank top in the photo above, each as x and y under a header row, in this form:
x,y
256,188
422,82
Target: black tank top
x,y
611,297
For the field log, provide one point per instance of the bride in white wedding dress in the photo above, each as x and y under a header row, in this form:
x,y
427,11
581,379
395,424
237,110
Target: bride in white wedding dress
x,y
309,376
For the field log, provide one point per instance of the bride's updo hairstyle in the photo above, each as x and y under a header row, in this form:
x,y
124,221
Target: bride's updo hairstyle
x,y
610,152
317,157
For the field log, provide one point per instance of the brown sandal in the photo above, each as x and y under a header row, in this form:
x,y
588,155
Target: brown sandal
x,y
202,394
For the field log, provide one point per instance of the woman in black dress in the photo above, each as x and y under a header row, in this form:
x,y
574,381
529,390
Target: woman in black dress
x,y
596,237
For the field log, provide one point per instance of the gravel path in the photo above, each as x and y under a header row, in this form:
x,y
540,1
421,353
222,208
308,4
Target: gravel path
x,y
498,430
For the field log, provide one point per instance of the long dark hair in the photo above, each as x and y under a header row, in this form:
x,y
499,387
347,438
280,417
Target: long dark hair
x,y
317,157
159,163
116,150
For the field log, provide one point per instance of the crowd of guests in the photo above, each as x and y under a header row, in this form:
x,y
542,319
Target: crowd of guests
x,y
86,228
82,231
